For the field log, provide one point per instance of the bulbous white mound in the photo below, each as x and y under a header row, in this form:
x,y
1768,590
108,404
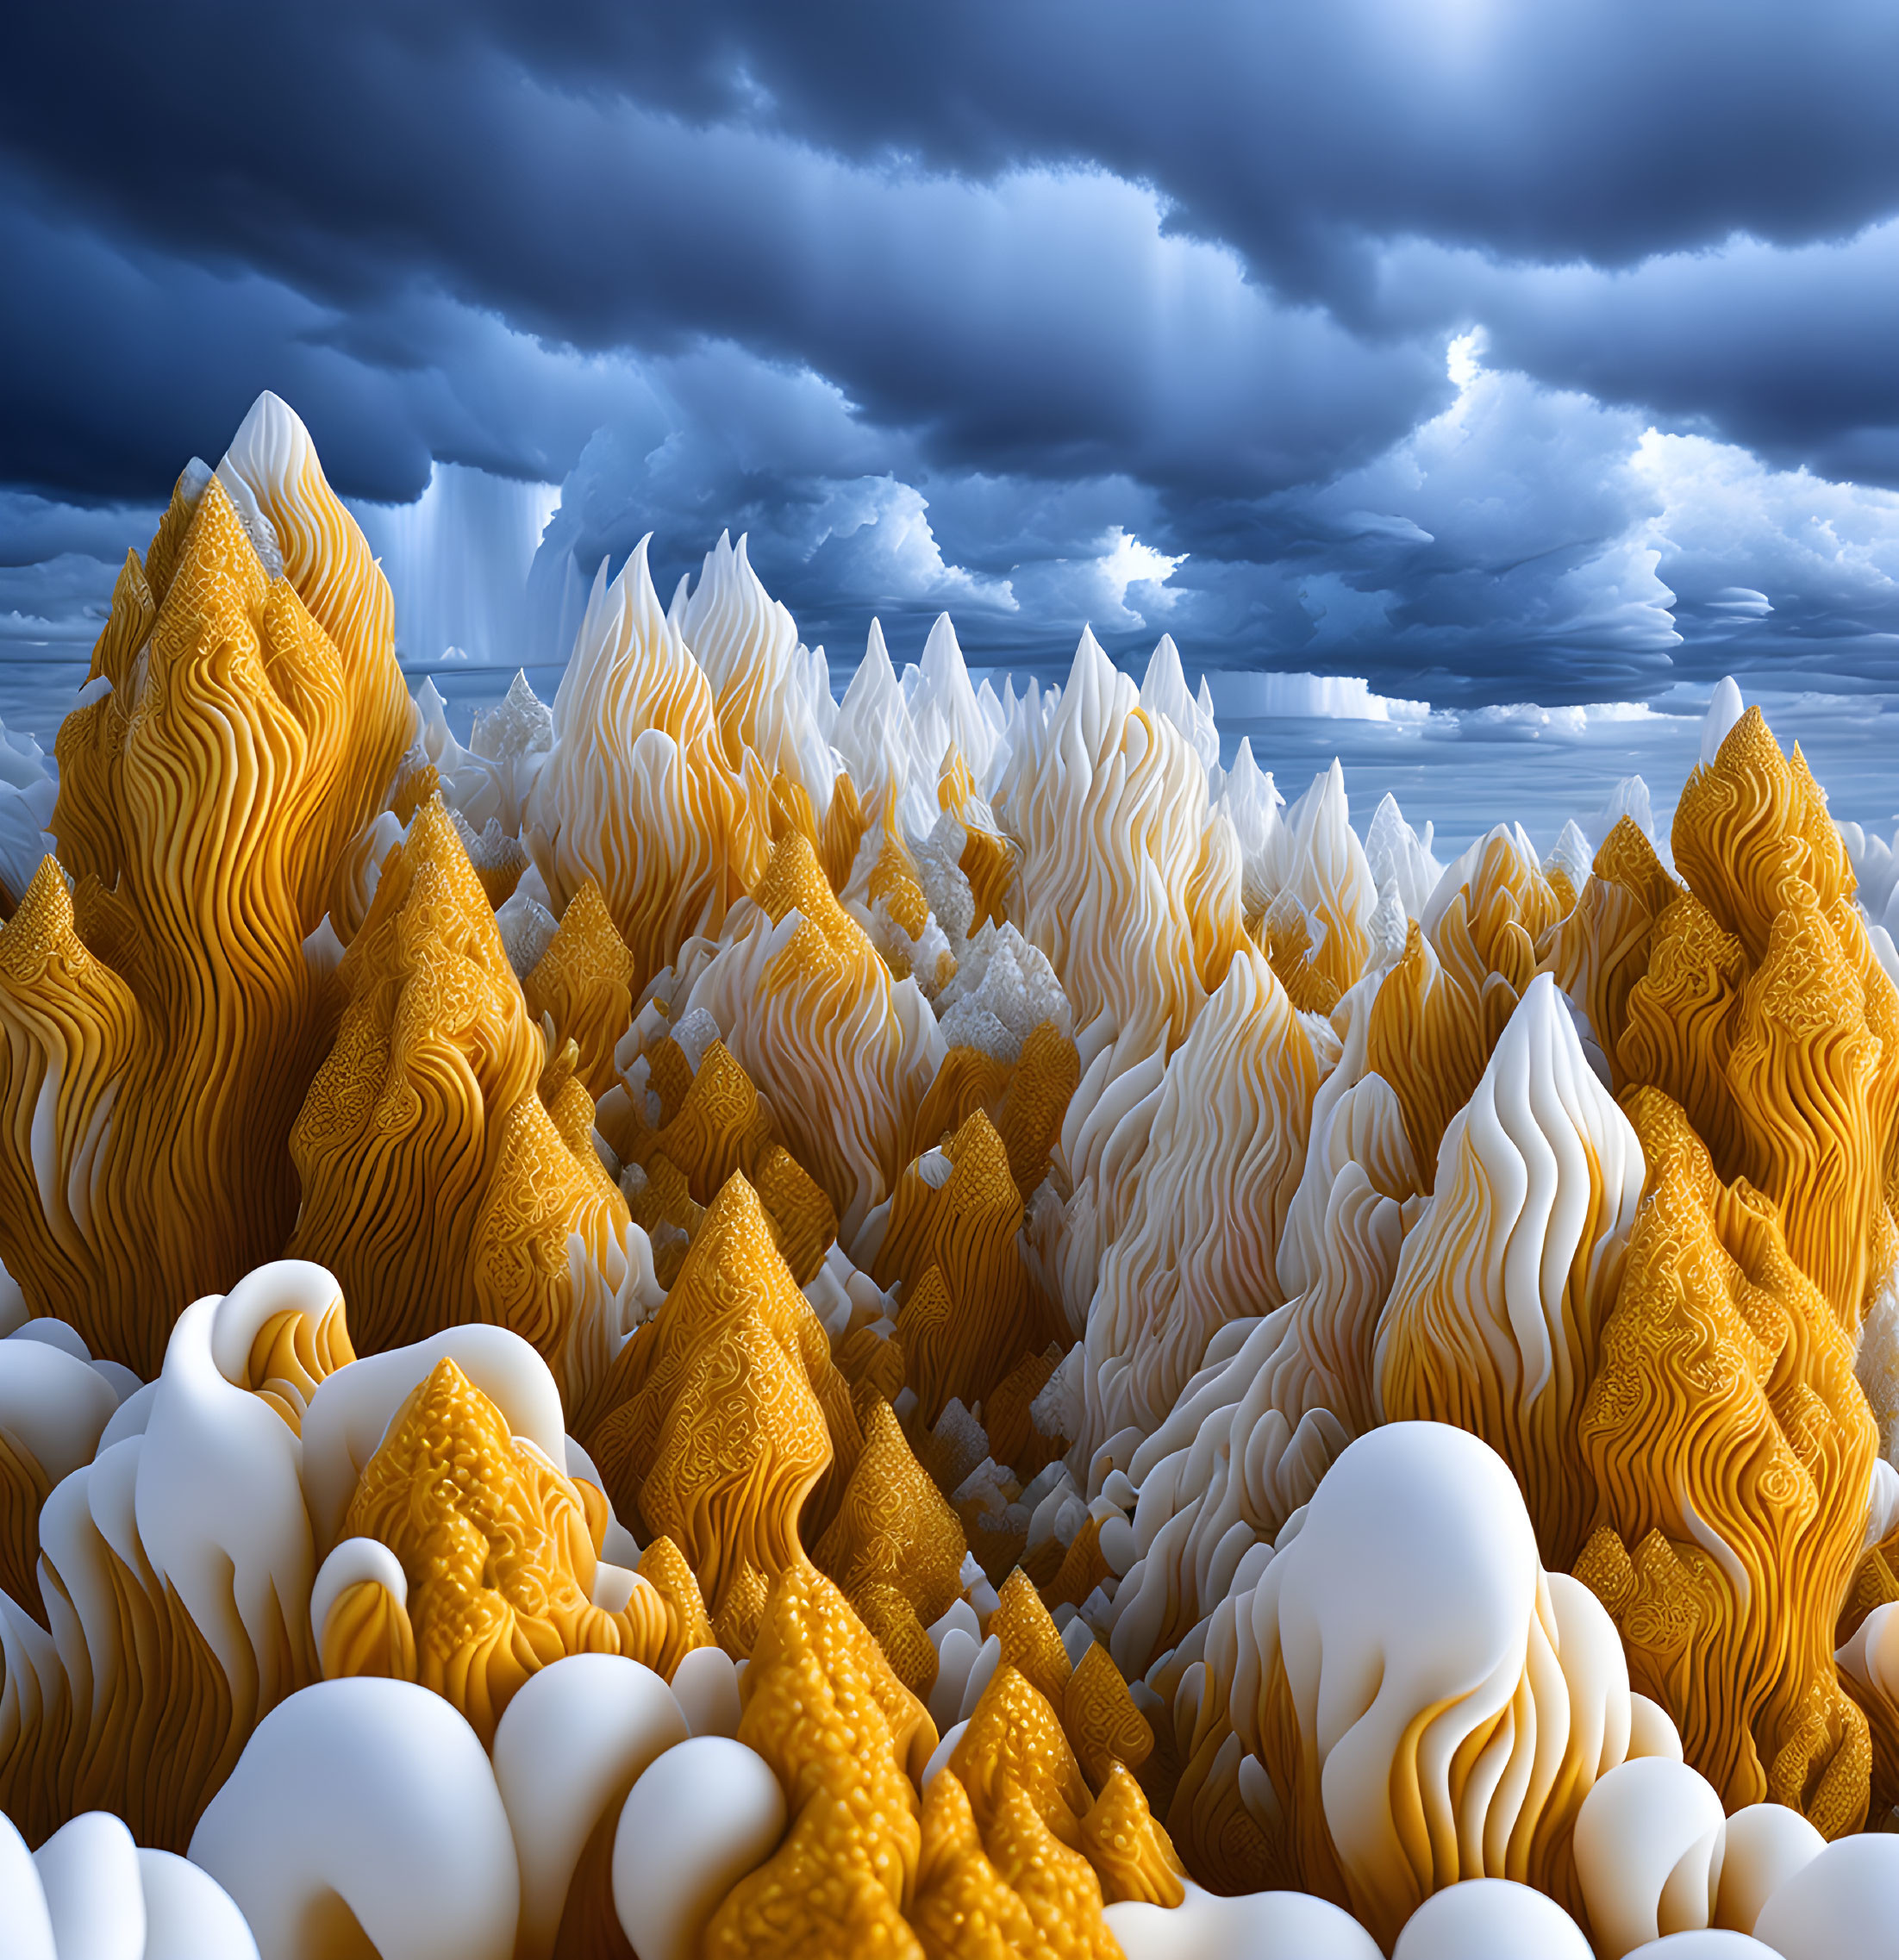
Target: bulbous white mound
x,y
373,1799
1490,1918
1381,1659
89,1894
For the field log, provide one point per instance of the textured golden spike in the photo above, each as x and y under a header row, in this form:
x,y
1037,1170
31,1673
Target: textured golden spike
x,y
494,1543
925,1332
1083,1567
436,1185
203,793
328,565
1680,1028
1601,950
1055,1881
968,1079
843,829
412,790
803,1219
1627,859
1029,1641
167,545
1013,1437
1741,832
872,1362
723,1412
722,1124
91,739
1730,1447
744,1446
965,1910
1015,1738
663,1209
840,1732
1047,1076
1132,1854
794,882
1426,1039
790,809
1101,1719
584,981
669,1075
894,880
1805,1071
895,1548
663,1566
1498,921
967,1227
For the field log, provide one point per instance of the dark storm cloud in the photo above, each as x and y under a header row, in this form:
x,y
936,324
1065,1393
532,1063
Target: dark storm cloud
x,y
1130,313
603,173
1605,130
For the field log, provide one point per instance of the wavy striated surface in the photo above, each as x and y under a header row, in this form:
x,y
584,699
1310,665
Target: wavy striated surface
x,y
209,791
1496,1311
1429,1704
1110,815
812,1013
1730,1448
444,1156
1197,1248
1808,1053
976,1177
176,1567
637,791
723,1414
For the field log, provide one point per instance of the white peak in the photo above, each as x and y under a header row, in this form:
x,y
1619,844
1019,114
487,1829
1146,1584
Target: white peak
x,y
1725,708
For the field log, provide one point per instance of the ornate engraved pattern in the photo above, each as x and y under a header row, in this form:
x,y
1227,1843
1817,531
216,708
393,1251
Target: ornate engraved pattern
x,y
495,1547
1731,1446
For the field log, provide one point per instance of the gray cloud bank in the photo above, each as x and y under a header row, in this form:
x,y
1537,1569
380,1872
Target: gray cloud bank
x,y
1481,352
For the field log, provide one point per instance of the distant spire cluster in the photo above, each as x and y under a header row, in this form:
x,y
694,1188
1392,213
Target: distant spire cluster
x,y
725,1322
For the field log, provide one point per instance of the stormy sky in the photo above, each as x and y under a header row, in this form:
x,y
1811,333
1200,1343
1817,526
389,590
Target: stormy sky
x,y
1484,352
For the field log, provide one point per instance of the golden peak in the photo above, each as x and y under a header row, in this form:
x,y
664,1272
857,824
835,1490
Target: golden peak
x,y
894,880
1749,744
1686,929
217,555
41,928
734,1218
794,882
1014,1738
1100,1718
981,1159
1626,857
1805,981
587,919
1027,1635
